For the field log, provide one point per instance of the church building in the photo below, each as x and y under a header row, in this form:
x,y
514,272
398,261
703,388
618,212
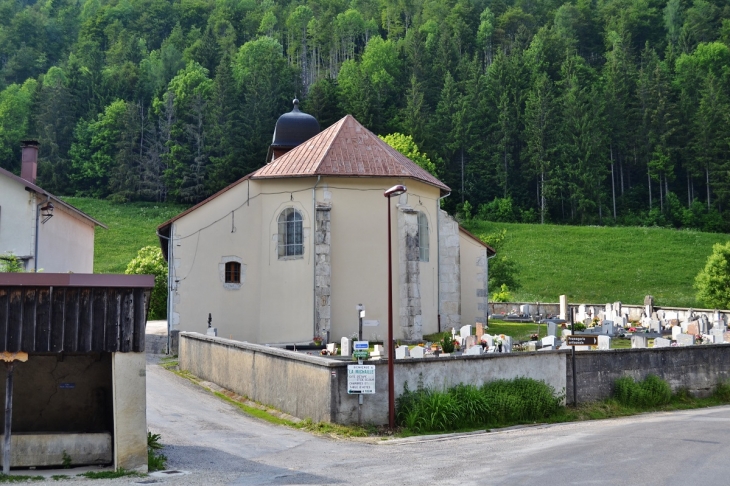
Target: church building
x,y
289,251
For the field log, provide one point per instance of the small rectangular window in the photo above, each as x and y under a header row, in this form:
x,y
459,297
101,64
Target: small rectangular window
x,y
233,272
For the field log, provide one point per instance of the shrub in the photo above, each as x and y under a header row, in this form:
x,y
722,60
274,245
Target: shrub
x,y
498,403
713,282
10,264
447,342
648,393
149,261
722,391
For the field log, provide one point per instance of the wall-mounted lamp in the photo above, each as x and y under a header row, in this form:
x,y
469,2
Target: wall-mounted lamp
x,y
47,212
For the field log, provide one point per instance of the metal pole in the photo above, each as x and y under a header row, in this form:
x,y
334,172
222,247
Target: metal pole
x,y
359,318
391,385
575,384
8,417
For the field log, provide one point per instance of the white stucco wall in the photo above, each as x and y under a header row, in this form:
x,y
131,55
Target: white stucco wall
x,y
473,279
66,243
17,219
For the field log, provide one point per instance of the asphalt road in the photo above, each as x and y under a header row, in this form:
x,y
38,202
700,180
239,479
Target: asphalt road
x,y
218,444
214,443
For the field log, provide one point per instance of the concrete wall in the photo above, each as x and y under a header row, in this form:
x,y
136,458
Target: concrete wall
x,y
696,368
316,387
130,411
61,394
292,382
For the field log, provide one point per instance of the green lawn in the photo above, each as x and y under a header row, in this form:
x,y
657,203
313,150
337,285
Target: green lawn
x,y
600,264
131,227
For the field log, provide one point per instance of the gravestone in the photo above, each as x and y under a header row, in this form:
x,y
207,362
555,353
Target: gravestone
x,y
676,331
655,326
474,351
480,331
685,339
552,329
378,350
718,336
719,325
638,341
471,341
604,343
345,346
581,316
332,349
401,352
617,309
662,343
673,322
417,352
670,315
525,309
565,332
507,344
531,345
212,331
465,331
704,324
549,341
489,340
608,328
693,328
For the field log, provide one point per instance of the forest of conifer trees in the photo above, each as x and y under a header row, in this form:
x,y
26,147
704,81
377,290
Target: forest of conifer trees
x,y
585,112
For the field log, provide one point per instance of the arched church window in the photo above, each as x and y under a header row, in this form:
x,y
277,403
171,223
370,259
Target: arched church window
x,y
291,241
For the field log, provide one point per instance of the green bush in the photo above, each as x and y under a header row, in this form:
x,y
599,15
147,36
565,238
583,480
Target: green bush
x,y
495,404
447,342
149,261
651,392
9,263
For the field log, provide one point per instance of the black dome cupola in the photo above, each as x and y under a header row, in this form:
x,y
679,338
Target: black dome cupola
x,y
292,129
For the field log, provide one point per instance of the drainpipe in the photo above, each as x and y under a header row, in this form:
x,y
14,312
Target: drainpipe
x,y
37,220
314,257
438,260
487,289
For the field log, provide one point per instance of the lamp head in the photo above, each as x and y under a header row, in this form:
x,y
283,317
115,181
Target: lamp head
x,y
395,191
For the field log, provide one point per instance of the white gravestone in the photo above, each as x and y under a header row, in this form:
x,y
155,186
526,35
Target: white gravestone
x,y
552,329
685,340
525,309
345,346
549,341
718,336
604,343
638,341
676,331
401,352
607,328
465,331
488,339
332,348
474,351
507,344
662,343
417,352
378,350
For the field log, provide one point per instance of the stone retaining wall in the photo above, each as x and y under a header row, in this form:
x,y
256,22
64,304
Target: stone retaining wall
x,y
696,368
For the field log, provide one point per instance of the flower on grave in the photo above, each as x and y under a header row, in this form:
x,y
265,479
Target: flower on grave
x,y
632,329
317,340
698,338
498,339
534,337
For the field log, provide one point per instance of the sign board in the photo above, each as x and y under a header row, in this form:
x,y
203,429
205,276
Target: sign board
x,y
370,323
360,379
361,354
581,340
360,345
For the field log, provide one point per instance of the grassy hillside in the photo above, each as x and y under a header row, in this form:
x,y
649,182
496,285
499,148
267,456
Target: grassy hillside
x,y
599,264
131,227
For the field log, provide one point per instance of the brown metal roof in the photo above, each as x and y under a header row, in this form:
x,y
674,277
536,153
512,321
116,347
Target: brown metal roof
x,y
346,149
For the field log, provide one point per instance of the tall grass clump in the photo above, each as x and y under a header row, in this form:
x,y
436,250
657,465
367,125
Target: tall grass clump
x,y
499,403
652,391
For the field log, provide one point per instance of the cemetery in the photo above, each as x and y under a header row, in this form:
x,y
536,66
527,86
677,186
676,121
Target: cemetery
x,y
686,348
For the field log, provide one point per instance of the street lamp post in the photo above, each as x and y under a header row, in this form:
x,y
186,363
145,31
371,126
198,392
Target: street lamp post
x,y
393,191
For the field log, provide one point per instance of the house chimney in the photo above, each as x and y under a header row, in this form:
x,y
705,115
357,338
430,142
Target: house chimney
x,y
29,169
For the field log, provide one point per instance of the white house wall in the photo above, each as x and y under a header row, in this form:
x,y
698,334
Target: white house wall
x,y
17,219
66,243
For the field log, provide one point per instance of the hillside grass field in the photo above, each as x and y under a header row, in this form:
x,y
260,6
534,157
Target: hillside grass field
x,y
131,227
604,264
589,264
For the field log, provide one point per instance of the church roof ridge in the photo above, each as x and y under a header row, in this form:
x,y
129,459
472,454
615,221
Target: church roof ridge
x,y
346,149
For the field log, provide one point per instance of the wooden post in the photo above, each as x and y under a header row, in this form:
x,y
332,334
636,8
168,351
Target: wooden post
x,y
8,416
9,359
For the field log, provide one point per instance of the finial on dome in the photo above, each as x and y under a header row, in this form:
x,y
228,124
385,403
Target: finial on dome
x,y
296,104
